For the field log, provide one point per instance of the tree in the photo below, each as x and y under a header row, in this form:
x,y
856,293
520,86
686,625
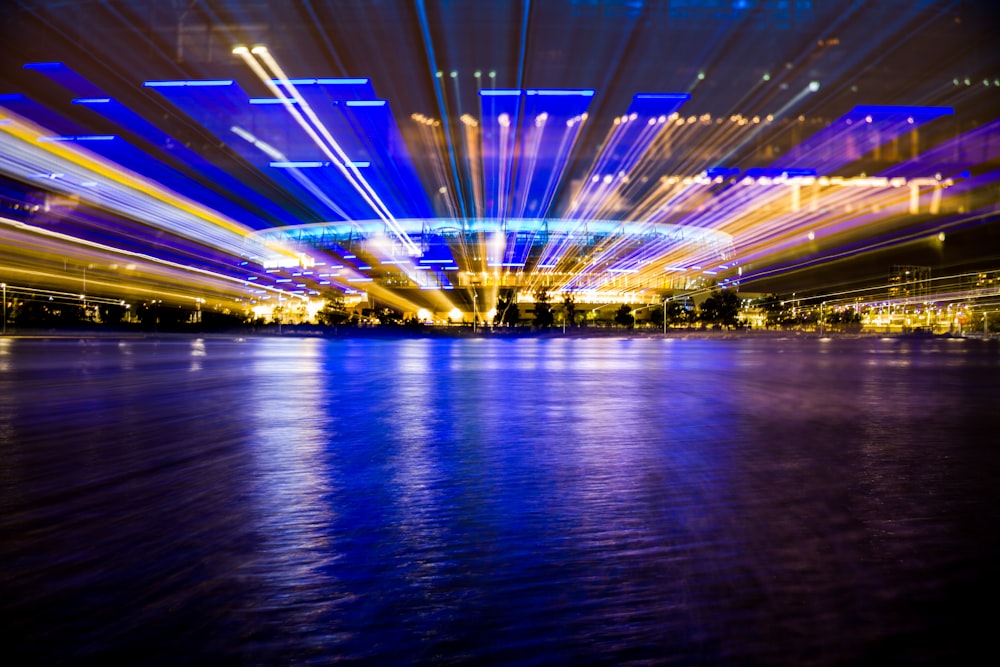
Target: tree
x,y
674,312
31,313
508,312
389,316
111,313
624,316
569,309
544,317
722,307
334,311
843,320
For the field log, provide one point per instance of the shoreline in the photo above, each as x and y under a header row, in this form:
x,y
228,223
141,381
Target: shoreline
x,y
399,333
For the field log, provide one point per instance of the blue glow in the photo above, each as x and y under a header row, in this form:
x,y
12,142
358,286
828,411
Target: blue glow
x,y
500,92
909,111
272,100
366,103
49,65
712,172
92,100
361,163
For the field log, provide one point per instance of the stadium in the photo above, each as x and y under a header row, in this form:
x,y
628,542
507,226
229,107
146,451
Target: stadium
x,y
281,170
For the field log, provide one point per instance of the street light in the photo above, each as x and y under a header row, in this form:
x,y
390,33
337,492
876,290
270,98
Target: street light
x,y
4,286
475,310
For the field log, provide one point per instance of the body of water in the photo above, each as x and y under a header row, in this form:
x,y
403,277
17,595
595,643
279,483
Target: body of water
x,y
475,501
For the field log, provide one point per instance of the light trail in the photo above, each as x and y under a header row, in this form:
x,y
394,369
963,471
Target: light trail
x,y
319,133
77,172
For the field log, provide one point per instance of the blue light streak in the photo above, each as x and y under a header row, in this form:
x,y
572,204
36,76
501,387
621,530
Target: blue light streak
x,y
586,92
195,83
302,164
425,33
325,82
866,109
713,172
81,137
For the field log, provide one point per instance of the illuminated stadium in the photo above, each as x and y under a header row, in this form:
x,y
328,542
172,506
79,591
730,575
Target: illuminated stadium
x,y
242,163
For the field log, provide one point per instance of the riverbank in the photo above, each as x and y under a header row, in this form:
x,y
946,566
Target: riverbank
x,y
383,332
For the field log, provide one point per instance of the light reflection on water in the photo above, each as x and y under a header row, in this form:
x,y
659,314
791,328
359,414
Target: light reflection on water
x,y
584,501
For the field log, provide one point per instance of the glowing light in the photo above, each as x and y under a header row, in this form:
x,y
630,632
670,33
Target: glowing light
x,y
190,84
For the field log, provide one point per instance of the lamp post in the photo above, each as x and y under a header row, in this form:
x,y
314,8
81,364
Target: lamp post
x,y
4,285
475,310
665,299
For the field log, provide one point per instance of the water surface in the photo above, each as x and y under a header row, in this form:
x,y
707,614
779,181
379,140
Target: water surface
x,y
475,501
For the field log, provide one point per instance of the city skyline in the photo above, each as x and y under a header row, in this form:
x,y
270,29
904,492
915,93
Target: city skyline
x,y
243,155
